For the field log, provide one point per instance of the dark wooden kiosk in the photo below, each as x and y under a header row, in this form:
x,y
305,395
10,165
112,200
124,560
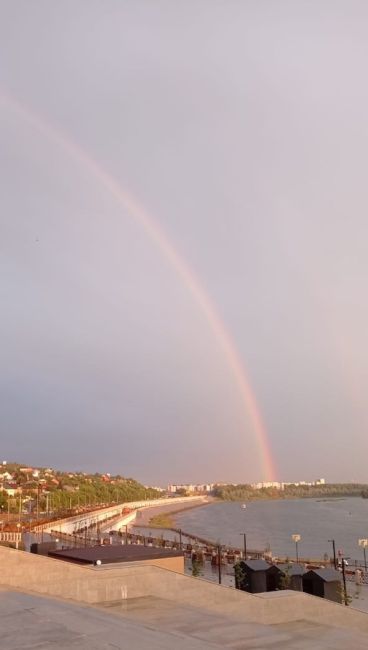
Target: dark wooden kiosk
x,y
325,583
295,573
259,576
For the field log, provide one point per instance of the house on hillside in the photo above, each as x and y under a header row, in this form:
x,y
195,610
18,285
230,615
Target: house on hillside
x,y
5,476
11,489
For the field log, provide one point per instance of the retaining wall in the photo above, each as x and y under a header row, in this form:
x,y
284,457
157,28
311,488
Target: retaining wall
x,y
114,583
101,515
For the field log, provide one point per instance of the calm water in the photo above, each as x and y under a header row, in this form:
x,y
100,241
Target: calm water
x,y
273,522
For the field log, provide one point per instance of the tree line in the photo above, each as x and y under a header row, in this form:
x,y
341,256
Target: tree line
x,y
245,492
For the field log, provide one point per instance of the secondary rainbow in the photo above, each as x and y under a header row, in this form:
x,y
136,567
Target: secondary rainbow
x,y
188,277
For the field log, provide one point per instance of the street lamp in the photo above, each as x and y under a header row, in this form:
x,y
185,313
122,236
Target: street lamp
x,y
38,502
20,508
245,545
219,563
296,539
363,543
344,561
334,551
244,506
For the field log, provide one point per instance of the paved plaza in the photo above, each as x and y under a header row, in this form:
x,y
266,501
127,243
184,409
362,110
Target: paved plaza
x,y
30,622
358,595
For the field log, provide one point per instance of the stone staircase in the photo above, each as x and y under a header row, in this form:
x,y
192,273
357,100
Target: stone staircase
x,y
30,622
227,631
55,605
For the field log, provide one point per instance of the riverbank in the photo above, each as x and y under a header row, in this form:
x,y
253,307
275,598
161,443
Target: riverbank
x,y
164,516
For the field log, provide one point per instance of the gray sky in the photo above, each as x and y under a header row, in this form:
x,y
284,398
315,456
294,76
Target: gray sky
x,y
242,128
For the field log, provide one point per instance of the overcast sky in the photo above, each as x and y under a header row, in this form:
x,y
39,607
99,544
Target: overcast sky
x,y
241,127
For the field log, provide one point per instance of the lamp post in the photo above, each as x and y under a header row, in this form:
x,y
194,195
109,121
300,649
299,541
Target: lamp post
x,y
343,563
244,507
17,540
334,551
38,502
245,545
296,538
363,543
219,563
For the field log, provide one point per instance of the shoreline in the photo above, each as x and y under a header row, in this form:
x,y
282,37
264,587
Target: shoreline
x,y
167,517
257,495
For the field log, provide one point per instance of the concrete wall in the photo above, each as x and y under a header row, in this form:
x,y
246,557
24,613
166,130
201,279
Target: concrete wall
x,y
119,522
175,564
69,524
70,581
65,532
110,583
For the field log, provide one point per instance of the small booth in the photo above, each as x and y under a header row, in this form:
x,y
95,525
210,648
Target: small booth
x,y
325,583
258,576
292,576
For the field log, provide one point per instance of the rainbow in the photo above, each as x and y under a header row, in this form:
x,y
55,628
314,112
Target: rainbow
x,y
185,273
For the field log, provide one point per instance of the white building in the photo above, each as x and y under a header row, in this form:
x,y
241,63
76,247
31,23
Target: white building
x,y
268,484
281,486
190,487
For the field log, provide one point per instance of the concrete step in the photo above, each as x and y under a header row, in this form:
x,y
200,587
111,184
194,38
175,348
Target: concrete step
x,y
225,631
198,623
30,622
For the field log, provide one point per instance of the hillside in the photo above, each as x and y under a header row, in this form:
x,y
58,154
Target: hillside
x,y
46,489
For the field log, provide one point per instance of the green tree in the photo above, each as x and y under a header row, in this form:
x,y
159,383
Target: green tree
x,y
196,568
285,578
343,598
241,581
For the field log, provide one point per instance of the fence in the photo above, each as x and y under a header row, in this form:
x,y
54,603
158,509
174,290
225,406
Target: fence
x,y
11,537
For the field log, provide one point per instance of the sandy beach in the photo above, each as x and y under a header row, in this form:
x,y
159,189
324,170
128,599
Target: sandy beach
x,y
144,515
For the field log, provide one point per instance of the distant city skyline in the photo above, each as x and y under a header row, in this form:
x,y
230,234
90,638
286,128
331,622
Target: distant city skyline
x,y
183,238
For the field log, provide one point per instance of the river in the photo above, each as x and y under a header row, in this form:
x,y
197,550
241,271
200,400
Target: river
x,y
271,524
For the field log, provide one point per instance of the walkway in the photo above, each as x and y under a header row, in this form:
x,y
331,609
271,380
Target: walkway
x,y
29,622
198,624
